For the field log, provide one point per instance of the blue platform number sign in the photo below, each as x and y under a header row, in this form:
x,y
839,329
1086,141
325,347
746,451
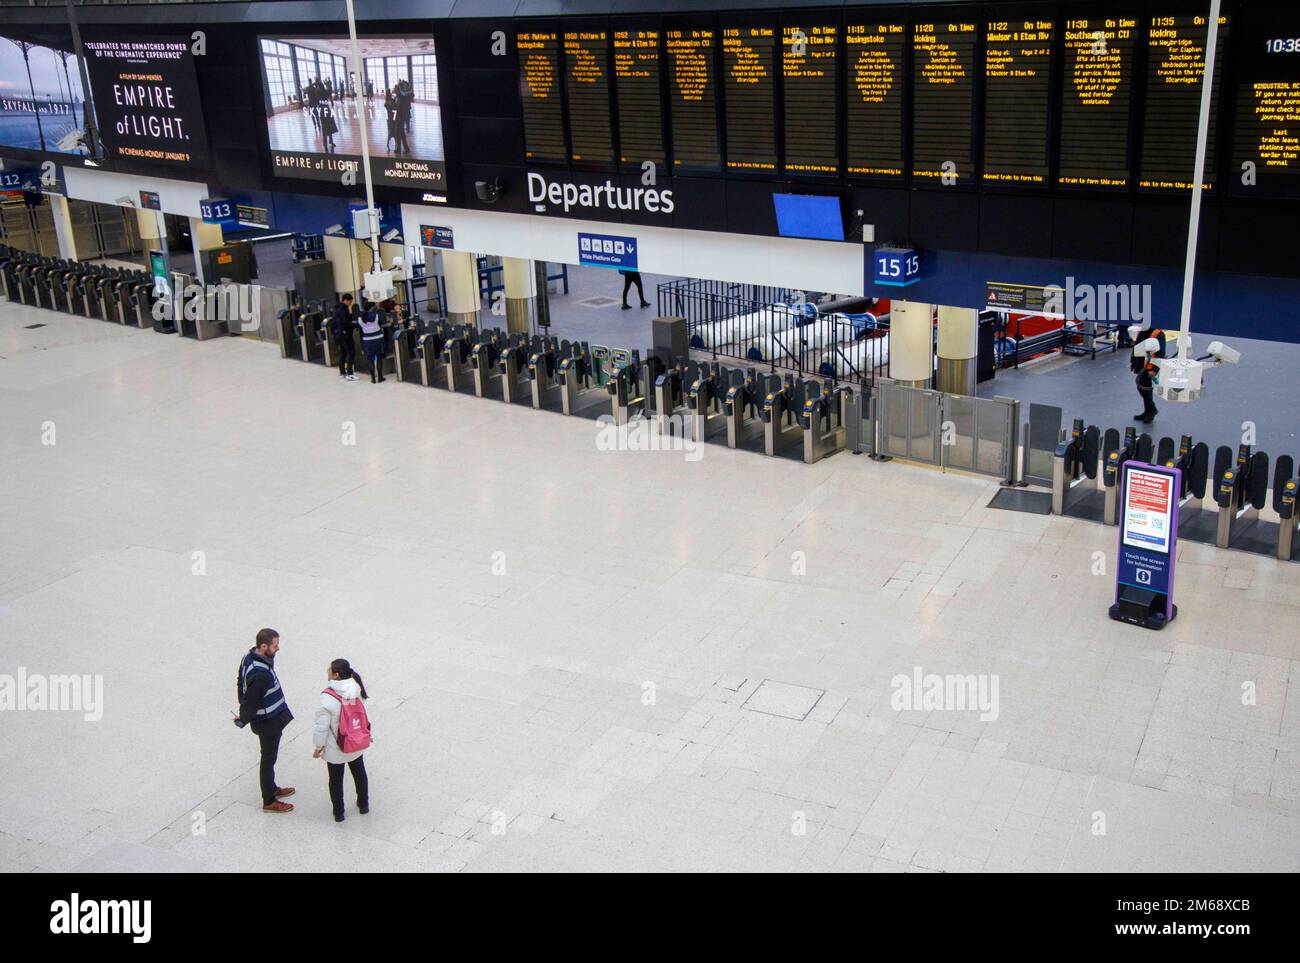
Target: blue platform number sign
x,y
150,201
431,235
26,179
217,210
1148,544
607,250
897,266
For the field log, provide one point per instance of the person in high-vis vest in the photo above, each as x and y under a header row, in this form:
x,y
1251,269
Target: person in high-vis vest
x,y
1148,345
262,705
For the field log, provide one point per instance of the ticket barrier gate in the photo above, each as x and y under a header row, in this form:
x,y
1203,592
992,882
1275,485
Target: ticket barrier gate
x,y
456,357
1113,464
544,373
824,421
313,336
512,369
406,348
108,284
56,284
429,353
133,283
40,283
780,414
581,390
1077,491
1241,492
145,301
92,293
1193,461
197,313
286,329
628,378
483,361
27,285
704,397
670,395
10,261
740,408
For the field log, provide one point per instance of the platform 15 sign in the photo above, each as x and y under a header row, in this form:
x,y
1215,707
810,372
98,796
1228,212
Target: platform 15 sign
x,y
217,210
897,266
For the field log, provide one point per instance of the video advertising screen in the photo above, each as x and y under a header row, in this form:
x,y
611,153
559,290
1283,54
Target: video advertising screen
x,y
42,104
147,100
312,120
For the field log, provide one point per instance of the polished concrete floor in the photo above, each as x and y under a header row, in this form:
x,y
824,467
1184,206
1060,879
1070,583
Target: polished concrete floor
x,y
589,659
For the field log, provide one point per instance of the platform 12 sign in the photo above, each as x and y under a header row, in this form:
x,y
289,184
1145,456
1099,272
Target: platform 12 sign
x,y
607,250
1148,541
897,266
217,210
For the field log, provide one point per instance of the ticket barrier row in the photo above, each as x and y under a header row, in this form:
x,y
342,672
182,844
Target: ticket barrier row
x,y
1088,468
97,291
304,334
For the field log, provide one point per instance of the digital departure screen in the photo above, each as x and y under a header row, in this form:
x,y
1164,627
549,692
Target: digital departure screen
x,y
640,117
1175,70
874,91
539,89
808,65
749,61
693,100
1096,94
943,79
586,76
1266,142
1017,77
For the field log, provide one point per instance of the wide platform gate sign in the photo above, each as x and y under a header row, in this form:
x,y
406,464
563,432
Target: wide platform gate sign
x,y
1148,544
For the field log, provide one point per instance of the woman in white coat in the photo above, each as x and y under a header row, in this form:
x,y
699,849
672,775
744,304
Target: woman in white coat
x,y
344,685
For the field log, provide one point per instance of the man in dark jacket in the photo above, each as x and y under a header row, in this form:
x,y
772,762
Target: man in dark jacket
x,y
342,323
262,705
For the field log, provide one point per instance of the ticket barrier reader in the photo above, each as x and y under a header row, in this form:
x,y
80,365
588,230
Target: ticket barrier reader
x,y
429,353
780,414
27,282
543,373
627,385
286,329
1113,464
1077,491
740,408
670,395
8,272
581,392
56,293
512,368
1241,492
313,335
127,297
824,420
406,348
108,296
92,293
1287,517
145,301
1193,461
457,354
40,283
704,396
483,362
198,315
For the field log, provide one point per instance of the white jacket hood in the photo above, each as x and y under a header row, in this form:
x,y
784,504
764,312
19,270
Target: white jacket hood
x,y
346,688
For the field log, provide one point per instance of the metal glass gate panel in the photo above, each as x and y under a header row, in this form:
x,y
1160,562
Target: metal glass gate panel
x,y
909,422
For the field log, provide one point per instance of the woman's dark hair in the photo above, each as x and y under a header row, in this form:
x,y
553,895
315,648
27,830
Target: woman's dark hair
x,y
343,669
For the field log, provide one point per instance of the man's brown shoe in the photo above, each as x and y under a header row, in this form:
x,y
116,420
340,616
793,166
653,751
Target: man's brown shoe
x,y
278,807
284,791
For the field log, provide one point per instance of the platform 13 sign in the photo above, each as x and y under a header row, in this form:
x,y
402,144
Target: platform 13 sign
x,y
217,210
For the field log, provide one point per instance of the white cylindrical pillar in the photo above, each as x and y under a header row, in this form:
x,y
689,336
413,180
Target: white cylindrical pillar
x,y
460,275
63,227
958,345
911,343
521,293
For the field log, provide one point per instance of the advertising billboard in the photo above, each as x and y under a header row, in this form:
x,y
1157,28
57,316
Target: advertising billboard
x,y
312,120
147,100
42,104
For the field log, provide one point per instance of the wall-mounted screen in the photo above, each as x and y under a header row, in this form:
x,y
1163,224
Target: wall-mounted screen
x,y
749,61
808,67
147,100
806,215
874,99
313,124
693,100
640,118
1096,96
943,77
1266,141
539,90
1017,79
42,104
586,78
1175,70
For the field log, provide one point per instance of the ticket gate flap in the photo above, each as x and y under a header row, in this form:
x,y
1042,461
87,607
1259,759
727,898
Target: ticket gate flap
x,y
1143,449
1165,451
1256,490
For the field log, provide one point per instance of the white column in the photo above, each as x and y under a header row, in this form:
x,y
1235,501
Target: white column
x,y
911,343
63,226
460,275
521,291
958,347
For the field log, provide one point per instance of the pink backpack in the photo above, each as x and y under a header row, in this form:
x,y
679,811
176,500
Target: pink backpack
x,y
354,724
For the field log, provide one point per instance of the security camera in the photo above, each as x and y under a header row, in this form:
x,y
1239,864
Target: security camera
x,y
488,191
1148,347
1221,353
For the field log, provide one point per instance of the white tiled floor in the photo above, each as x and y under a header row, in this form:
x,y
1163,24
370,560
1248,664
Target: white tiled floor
x,y
648,685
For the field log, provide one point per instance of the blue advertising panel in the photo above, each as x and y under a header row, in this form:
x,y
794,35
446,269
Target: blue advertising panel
x,y
1148,545
607,250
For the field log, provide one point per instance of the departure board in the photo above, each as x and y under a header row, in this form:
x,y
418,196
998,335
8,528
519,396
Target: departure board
x,y
640,117
943,98
692,100
586,76
1266,142
749,60
1017,78
539,89
1175,70
874,98
808,65
1095,98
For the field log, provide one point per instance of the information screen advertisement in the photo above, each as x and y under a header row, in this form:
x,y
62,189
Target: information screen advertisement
x,y
42,104
1148,509
1266,141
147,100
313,124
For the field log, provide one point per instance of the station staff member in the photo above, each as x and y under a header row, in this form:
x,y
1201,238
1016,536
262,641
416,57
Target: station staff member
x,y
1148,345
